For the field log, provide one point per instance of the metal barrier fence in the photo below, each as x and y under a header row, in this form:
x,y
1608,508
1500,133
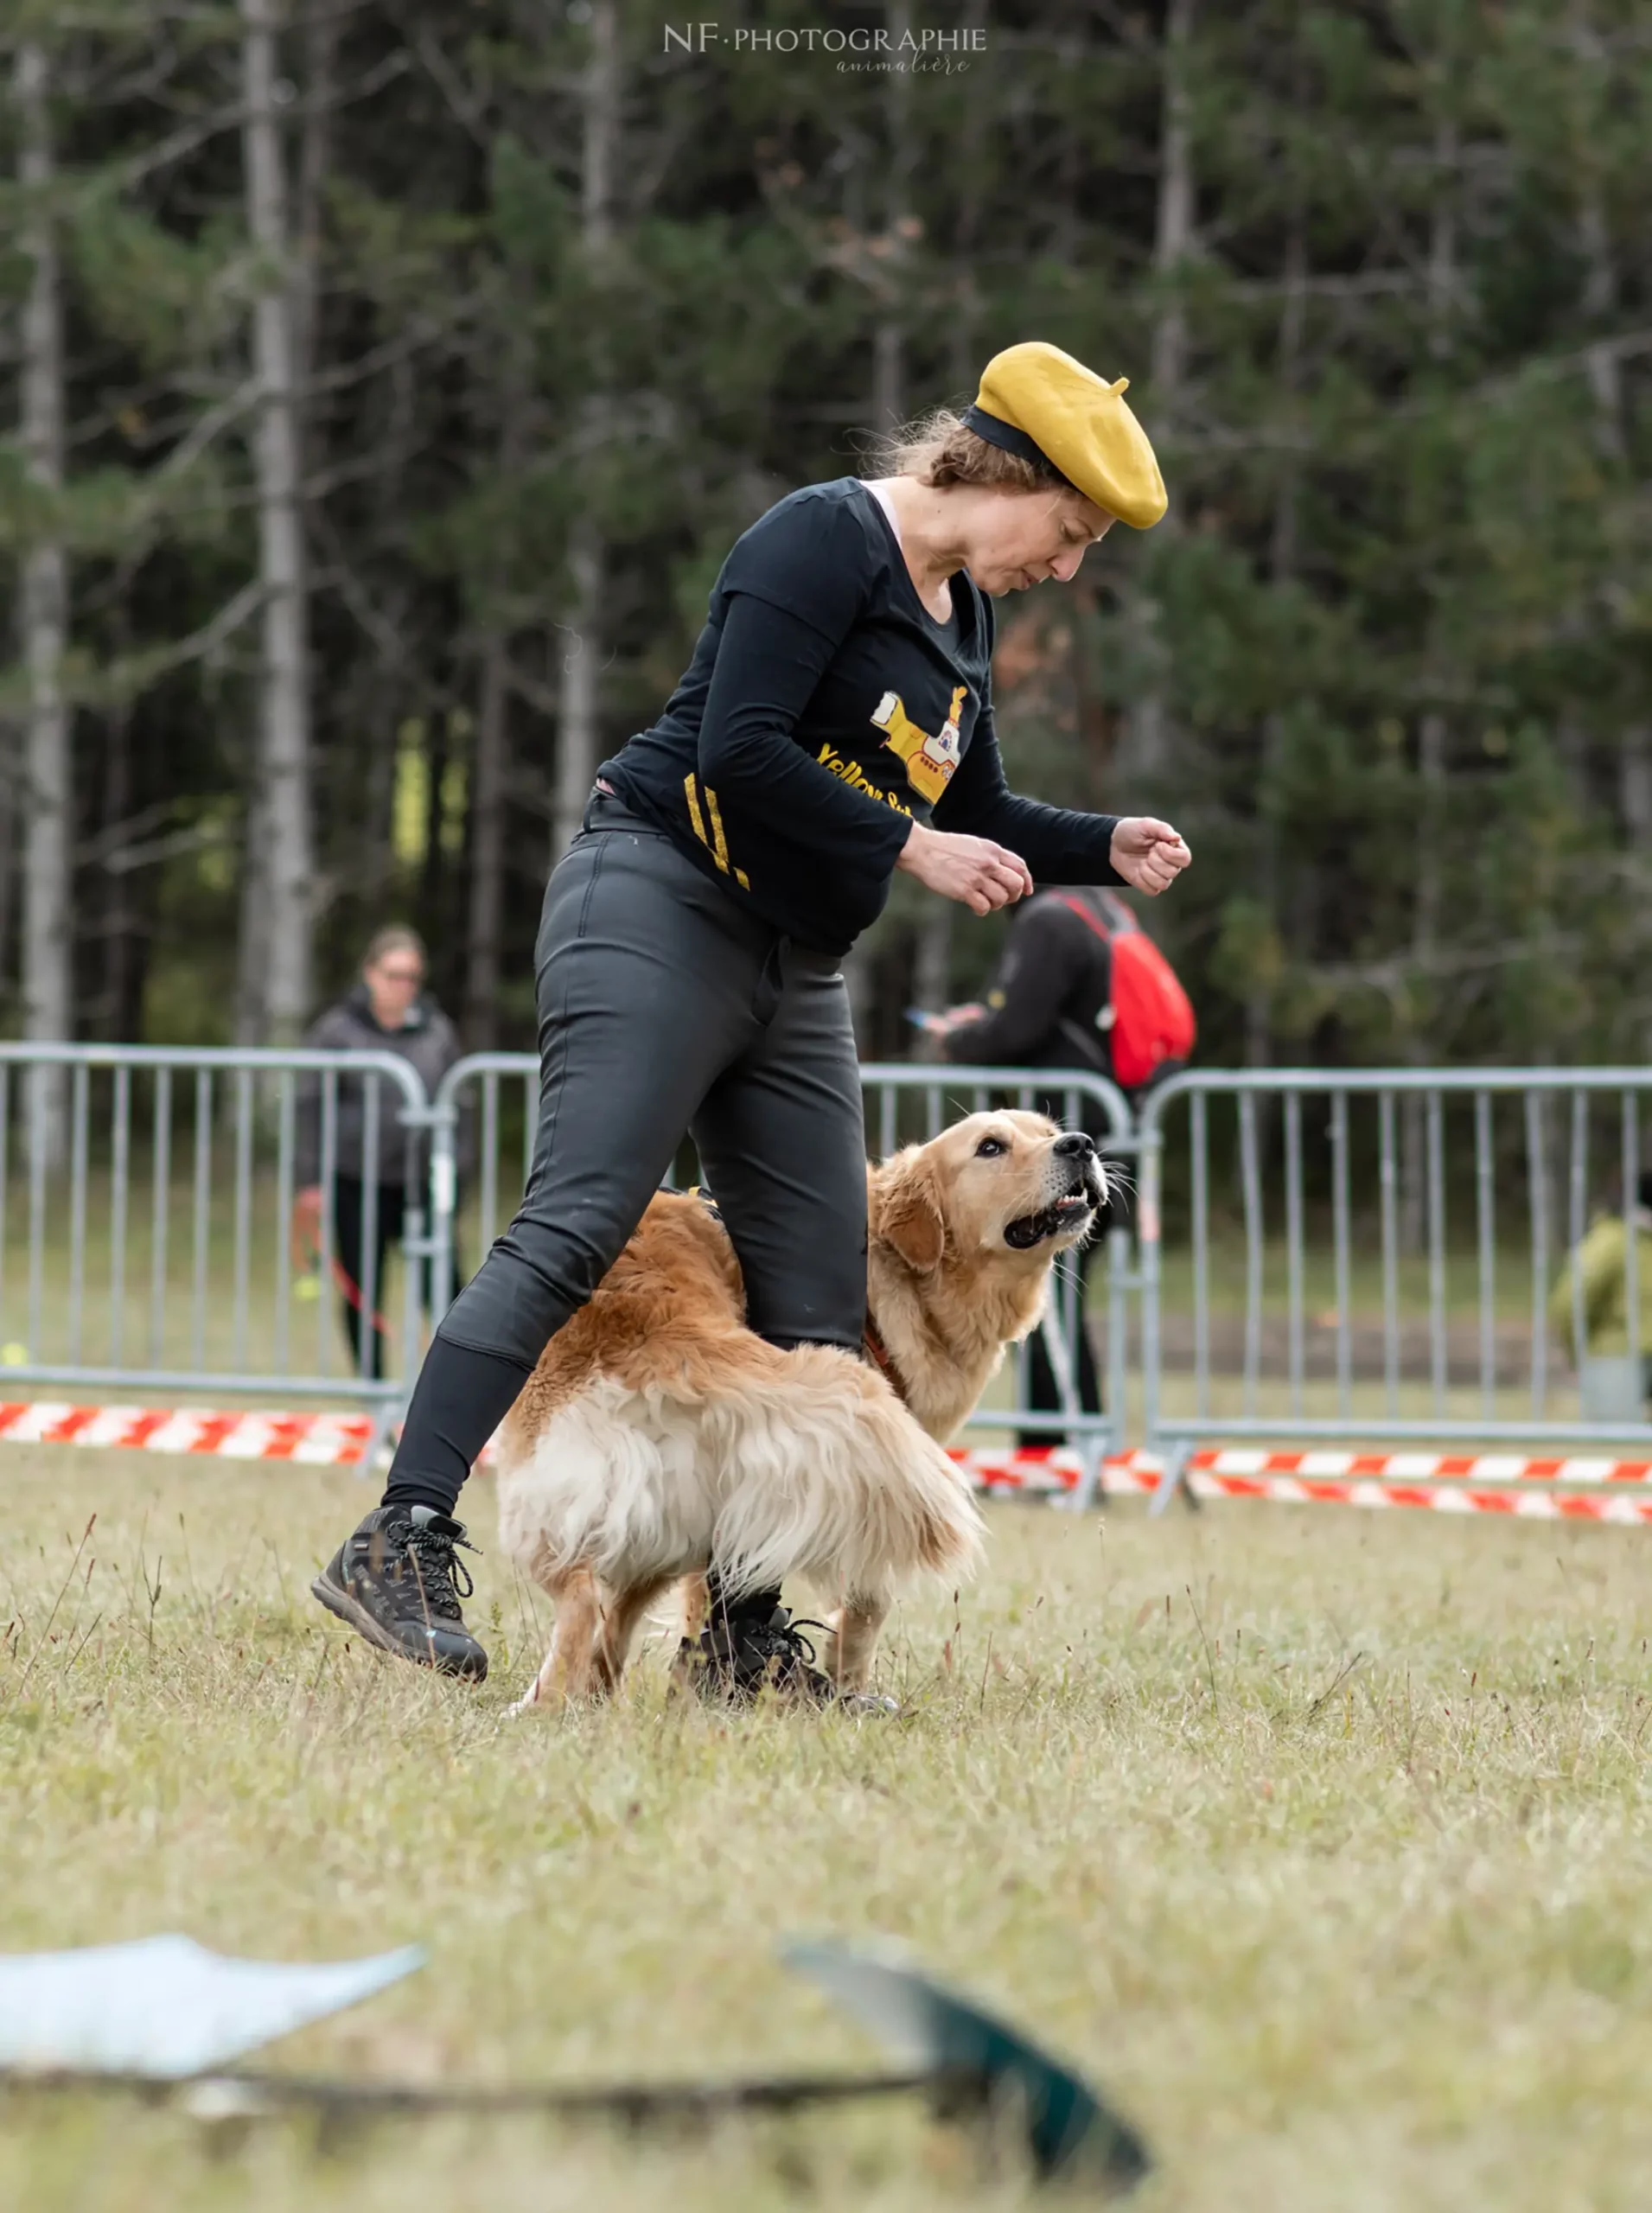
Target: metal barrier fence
x,y
1367,1255
904,1104
146,1207
1389,1159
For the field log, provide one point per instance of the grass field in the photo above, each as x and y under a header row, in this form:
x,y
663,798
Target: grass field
x,y
1319,1839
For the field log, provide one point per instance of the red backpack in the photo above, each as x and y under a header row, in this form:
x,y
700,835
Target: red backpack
x,y
1148,1020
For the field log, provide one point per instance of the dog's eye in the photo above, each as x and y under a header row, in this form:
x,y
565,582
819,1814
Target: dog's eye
x,y
990,1146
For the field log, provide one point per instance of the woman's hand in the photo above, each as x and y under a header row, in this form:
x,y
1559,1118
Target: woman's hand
x,y
1148,853
950,1019
973,870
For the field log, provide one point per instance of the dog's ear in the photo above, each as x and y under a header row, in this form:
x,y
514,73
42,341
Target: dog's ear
x,y
909,1216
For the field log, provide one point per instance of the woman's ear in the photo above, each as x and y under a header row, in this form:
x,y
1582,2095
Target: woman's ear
x,y
909,1216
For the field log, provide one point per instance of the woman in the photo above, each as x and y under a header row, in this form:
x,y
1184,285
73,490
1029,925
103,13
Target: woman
x,y
386,1011
835,724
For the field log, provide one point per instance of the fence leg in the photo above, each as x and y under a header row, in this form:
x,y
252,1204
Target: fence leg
x,y
444,1199
385,1411
1061,1366
1174,1479
1119,1288
1149,1230
1093,1450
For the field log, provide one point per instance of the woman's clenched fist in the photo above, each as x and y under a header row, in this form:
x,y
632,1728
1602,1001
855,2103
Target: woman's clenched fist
x,y
973,870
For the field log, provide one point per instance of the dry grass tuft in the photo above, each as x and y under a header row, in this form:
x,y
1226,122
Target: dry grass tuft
x,y
1319,1838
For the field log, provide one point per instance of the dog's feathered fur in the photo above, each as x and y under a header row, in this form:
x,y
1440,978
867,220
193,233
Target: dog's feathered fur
x,y
657,1434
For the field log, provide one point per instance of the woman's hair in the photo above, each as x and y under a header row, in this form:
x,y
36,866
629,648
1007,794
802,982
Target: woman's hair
x,y
396,938
940,449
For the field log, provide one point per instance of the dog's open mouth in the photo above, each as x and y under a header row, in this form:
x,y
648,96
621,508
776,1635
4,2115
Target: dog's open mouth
x,y
1069,1213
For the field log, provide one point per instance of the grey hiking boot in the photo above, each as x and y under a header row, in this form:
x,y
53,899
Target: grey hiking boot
x,y
399,1581
752,1644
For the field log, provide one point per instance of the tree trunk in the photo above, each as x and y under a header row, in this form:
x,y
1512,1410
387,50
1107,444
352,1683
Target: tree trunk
x,y
889,330
1634,786
932,977
579,707
1428,900
1146,750
1425,937
1282,564
932,954
278,906
10,782
117,920
1600,289
1599,305
1173,218
963,325
321,38
47,945
860,966
432,896
487,852
578,716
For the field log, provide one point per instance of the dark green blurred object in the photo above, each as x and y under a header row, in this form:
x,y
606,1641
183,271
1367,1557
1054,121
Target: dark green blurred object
x,y
977,2062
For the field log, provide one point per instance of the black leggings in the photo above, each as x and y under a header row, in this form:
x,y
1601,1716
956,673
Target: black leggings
x,y
665,1006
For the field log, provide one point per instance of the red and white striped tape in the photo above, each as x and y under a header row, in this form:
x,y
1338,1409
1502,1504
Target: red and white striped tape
x,y
1446,1481
1044,1469
325,1440
1446,1496
1449,1482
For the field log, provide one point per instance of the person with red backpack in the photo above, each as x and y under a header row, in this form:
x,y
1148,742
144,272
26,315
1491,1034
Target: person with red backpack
x,y
1080,985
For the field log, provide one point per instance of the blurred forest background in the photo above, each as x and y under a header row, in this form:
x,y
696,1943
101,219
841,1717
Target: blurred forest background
x,y
382,383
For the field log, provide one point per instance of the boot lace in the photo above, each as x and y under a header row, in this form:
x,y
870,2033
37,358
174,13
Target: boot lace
x,y
443,1578
778,1645
789,1641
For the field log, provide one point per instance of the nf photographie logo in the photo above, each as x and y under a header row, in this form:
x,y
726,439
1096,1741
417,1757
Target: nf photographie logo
x,y
942,51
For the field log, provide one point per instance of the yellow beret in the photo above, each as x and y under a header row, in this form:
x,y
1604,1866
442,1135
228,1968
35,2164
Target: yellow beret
x,y
1040,403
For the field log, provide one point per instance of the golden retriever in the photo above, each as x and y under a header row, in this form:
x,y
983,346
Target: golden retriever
x,y
658,1435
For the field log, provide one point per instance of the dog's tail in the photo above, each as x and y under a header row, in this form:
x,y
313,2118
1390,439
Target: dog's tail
x,y
826,1474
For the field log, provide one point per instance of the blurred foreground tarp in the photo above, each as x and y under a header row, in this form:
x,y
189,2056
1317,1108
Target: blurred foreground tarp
x,y
167,2008
166,2012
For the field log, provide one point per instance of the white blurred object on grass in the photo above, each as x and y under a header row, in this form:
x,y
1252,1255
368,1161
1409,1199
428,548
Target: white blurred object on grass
x,y
166,2007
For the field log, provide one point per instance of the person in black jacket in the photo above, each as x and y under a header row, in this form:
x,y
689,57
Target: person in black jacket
x,y
387,1011
1041,1013
834,725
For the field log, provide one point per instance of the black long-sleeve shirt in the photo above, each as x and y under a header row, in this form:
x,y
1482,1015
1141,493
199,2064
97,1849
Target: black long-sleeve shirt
x,y
824,711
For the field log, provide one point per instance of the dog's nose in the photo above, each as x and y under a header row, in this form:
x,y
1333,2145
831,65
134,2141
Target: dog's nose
x,y
1073,1144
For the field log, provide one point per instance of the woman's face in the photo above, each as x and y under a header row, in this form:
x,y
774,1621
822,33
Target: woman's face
x,y
394,981
1020,538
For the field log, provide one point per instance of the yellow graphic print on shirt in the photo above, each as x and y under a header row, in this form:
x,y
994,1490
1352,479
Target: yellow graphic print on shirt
x,y
851,773
930,761
716,845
